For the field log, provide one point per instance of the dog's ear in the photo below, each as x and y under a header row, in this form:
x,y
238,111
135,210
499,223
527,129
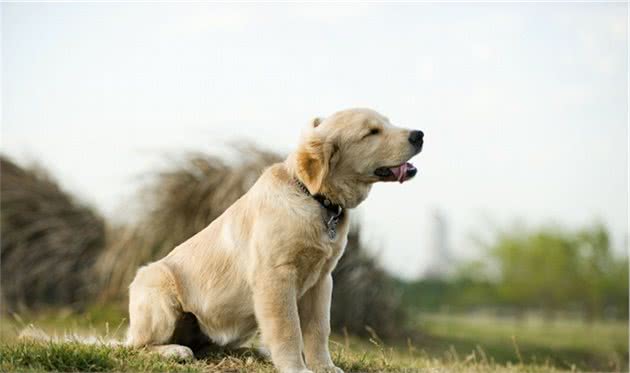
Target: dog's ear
x,y
316,122
314,163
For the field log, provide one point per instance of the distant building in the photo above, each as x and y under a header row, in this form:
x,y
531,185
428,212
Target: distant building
x,y
439,251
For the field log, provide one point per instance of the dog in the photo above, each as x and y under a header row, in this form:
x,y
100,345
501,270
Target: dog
x,y
265,264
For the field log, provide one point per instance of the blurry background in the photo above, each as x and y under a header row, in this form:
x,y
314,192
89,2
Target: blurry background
x,y
128,127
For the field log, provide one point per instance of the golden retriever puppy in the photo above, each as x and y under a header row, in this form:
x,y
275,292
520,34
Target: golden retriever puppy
x,y
266,263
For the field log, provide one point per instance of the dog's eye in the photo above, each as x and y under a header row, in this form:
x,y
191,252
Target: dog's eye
x,y
373,132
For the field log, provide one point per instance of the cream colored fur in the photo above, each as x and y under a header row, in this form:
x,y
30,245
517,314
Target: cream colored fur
x,y
266,263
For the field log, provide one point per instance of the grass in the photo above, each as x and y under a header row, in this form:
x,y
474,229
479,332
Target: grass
x,y
451,344
75,357
565,343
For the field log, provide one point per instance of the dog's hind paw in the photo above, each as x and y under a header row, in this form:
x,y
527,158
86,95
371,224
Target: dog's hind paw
x,y
263,352
178,352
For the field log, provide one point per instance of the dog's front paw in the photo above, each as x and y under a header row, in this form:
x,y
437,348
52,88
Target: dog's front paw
x,y
294,369
328,369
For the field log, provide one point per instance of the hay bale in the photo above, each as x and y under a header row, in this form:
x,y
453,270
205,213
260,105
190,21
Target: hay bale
x,y
364,295
49,241
185,198
177,203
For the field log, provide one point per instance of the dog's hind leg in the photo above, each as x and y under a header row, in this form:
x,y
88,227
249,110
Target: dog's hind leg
x,y
154,310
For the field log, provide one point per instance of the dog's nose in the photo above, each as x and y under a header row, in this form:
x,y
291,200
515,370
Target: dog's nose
x,y
416,138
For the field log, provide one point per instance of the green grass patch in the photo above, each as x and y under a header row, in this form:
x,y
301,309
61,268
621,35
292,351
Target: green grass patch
x,y
25,356
77,357
565,343
450,343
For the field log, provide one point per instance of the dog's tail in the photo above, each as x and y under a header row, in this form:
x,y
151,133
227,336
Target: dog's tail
x,y
32,333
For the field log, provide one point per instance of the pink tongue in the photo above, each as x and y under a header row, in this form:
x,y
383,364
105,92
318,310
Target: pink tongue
x,y
400,172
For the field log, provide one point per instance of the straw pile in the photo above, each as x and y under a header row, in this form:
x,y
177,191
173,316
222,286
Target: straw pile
x,y
49,241
364,295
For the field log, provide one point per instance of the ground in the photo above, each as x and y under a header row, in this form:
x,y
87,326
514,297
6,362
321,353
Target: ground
x,y
449,343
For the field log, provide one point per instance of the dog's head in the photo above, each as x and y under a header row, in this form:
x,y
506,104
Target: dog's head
x,y
341,156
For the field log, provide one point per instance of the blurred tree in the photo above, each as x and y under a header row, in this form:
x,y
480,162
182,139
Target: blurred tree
x,y
594,260
548,270
552,270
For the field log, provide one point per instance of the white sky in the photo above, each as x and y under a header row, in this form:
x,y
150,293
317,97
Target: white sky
x,y
524,105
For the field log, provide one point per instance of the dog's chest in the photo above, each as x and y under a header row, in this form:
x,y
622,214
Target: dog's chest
x,y
321,260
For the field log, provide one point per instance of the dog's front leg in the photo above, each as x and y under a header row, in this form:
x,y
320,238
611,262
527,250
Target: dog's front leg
x,y
275,303
314,308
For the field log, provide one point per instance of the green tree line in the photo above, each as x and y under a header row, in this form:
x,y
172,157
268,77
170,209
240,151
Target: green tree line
x,y
549,270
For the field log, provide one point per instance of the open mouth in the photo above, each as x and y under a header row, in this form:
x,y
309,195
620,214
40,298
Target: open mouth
x,y
400,173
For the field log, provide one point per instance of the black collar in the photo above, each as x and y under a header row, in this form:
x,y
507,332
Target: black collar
x,y
326,203
334,212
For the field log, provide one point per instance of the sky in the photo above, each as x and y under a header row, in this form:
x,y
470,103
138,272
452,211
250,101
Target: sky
x,y
524,105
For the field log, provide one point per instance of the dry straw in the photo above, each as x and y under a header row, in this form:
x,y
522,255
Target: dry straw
x,y
49,241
